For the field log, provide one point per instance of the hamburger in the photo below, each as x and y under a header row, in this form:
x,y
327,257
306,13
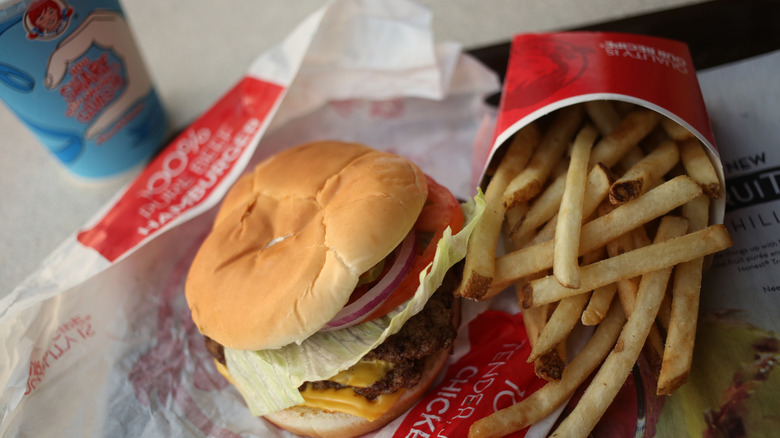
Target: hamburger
x,y
324,289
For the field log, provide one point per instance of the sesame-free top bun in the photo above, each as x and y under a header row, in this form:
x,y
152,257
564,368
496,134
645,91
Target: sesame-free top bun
x,y
292,237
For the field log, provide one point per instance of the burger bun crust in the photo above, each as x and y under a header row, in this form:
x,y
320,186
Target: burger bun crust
x,y
292,237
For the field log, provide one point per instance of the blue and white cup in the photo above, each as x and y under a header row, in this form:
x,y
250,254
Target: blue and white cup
x,y
72,73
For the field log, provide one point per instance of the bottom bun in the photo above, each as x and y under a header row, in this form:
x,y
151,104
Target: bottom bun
x,y
319,423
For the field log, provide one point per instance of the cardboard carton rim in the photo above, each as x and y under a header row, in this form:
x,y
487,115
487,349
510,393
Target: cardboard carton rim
x,y
717,207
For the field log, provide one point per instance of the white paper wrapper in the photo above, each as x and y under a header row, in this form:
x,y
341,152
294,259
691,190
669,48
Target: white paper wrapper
x,y
99,341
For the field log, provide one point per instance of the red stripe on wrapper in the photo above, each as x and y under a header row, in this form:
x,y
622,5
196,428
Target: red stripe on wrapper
x,y
493,375
187,171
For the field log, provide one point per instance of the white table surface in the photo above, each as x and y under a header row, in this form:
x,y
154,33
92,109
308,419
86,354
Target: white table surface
x,y
195,50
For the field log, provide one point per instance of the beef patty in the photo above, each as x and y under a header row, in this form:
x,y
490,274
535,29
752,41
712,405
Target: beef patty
x,y
427,332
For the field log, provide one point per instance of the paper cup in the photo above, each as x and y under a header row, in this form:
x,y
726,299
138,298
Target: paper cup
x,y
71,72
550,71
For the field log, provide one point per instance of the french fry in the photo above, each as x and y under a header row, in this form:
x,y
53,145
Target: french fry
x,y
560,324
633,128
699,167
654,138
512,221
654,349
640,237
629,159
637,262
626,288
480,257
651,168
599,303
612,374
575,237
543,208
662,199
565,316
559,169
665,312
603,115
546,234
529,182
550,365
514,218
567,233
563,352
548,398
596,190
534,321
674,130
681,332
630,216
623,107
697,212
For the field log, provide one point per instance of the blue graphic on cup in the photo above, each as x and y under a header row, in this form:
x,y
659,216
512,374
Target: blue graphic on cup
x,y
80,85
16,79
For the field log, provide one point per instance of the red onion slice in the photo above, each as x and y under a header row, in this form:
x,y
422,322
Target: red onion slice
x,y
358,310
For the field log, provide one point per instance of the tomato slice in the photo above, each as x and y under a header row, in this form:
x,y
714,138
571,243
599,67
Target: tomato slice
x,y
441,210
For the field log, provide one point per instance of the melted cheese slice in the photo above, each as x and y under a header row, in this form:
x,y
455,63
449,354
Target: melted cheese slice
x,y
347,401
224,371
362,374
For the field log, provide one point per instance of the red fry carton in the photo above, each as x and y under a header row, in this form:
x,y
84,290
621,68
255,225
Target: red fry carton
x,y
550,71
547,72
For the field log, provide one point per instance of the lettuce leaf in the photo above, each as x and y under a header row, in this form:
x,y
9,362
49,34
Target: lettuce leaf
x,y
269,379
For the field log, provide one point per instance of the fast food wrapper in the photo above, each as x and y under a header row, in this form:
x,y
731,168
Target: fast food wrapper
x,y
99,341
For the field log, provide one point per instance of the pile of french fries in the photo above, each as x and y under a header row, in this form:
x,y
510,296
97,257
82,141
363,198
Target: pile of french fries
x,y
598,215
